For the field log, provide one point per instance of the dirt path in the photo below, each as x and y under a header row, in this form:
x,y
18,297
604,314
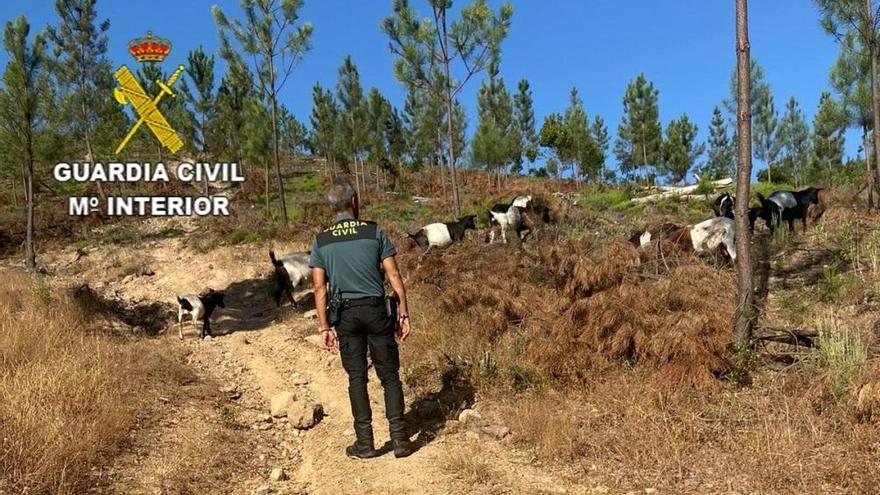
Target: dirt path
x,y
256,355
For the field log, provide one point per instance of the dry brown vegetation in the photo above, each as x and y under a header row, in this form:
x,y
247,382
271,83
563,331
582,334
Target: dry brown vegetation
x,y
72,387
620,363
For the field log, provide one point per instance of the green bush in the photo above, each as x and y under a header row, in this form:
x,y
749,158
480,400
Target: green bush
x,y
605,199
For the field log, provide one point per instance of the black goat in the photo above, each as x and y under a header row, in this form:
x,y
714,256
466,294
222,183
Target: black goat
x,y
788,206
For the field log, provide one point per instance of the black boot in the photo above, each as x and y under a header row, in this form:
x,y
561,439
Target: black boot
x,y
363,447
402,447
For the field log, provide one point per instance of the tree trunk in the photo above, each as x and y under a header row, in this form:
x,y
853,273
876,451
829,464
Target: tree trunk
x,y
440,162
875,100
266,175
866,146
744,317
14,192
85,117
277,158
30,252
450,129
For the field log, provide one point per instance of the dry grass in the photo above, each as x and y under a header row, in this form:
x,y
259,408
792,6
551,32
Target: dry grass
x,y
71,394
470,469
614,362
772,439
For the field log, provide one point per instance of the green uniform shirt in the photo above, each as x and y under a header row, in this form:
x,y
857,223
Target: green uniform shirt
x,y
350,251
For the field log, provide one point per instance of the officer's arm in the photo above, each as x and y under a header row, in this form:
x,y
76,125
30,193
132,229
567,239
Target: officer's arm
x,y
319,280
390,266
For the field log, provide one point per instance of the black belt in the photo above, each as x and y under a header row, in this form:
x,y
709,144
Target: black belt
x,y
363,301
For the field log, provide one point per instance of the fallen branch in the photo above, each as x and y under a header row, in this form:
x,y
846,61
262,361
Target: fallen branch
x,y
671,192
798,337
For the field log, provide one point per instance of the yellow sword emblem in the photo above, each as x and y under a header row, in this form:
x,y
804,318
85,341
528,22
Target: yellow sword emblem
x,y
130,91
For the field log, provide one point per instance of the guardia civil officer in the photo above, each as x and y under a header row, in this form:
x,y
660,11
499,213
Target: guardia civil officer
x,y
351,255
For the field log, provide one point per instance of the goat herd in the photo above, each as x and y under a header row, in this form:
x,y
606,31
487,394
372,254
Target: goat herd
x,y
719,233
521,215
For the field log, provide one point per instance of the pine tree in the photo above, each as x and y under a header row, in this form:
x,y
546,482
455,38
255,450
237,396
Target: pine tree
x,y
427,48
378,118
851,78
764,132
395,140
524,115
759,88
25,105
352,127
258,140
861,19
233,94
582,152
495,144
324,120
794,142
293,134
680,150
639,136
720,163
828,140
82,42
271,35
202,100
599,133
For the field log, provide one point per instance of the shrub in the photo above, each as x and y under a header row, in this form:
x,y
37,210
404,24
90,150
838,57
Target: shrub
x,y
841,354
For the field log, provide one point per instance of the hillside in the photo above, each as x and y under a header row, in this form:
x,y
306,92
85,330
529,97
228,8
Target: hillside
x,y
611,368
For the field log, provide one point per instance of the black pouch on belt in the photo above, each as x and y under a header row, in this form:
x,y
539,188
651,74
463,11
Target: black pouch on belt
x,y
334,308
391,303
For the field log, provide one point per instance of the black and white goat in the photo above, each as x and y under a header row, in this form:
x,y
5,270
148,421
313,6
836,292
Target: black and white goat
x,y
705,237
788,206
520,214
199,307
522,201
507,217
724,205
291,271
442,235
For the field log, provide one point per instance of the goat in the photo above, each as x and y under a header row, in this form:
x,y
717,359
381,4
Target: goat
x,y
521,201
443,234
199,307
704,237
290,272
512,217
788,206
724,205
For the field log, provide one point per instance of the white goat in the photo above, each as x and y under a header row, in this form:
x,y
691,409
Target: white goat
x,y
512,218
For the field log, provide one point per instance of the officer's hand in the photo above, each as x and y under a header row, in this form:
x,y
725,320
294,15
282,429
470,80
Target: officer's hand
x,y
403,329
330,340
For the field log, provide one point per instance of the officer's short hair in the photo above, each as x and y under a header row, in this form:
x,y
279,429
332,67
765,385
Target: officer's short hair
x,y
340,193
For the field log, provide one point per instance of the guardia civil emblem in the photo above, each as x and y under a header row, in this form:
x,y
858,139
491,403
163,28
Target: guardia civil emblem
x,y
147,49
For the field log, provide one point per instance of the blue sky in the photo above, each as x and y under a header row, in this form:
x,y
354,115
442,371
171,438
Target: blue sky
x,y
686,47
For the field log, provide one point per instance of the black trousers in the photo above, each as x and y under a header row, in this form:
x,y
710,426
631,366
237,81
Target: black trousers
x,y
369,327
